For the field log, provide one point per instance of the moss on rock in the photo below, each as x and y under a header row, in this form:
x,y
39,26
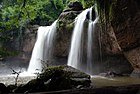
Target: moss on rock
x,y
64,32
54,79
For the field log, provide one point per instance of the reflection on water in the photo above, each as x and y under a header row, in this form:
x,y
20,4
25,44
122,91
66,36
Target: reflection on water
x,y
99,81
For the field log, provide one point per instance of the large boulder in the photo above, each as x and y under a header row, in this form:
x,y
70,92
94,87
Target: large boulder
x,y
54,79
134,58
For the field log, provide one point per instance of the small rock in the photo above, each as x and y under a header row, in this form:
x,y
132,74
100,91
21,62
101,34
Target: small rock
x,y
135,73
111,74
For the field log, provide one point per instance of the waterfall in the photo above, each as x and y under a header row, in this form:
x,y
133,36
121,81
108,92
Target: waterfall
x,y
75,55
42,51
91,29
78,57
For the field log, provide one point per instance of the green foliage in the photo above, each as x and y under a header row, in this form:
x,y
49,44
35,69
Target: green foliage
x,y
104,9
87,3
15,15
51,71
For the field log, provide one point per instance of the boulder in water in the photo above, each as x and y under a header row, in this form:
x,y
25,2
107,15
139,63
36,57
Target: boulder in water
x,y
65,77
54,79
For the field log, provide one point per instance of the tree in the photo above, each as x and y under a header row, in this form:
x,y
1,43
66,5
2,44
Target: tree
x,y
16,15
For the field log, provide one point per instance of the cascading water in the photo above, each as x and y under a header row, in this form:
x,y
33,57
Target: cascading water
x,y
43,48
91,29
77,57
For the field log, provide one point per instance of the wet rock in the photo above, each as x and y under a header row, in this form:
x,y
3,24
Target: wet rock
x,y
110,43
111,74
76,73
62,77
58,83
54,79
93,15
65,28
28,43
135,73
134,58
123,36
126,23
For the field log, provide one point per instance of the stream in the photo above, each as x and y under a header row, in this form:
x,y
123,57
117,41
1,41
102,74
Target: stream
x,y
100,81
7,78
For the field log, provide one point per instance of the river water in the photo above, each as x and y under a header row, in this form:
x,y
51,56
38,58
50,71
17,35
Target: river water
x,y
7,78
100,81
97,81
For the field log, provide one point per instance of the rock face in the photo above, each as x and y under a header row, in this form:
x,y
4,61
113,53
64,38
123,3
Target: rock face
x,y
133,56
64,32
65,28
28,42
122,36
108,57
126,23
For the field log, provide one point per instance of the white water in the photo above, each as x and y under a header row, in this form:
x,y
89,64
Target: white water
x,y
91,29
76,50
76,58
43,48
